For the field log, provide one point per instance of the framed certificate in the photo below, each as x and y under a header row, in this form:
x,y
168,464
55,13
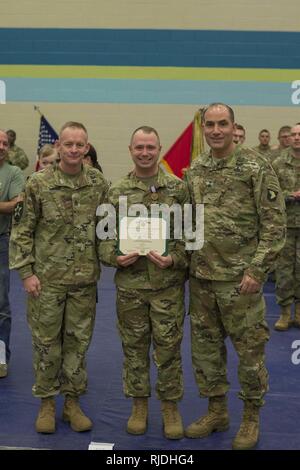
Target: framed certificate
x,y
142,234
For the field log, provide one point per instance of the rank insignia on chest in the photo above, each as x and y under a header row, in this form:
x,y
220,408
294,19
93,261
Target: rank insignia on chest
x,y
272,195
18,211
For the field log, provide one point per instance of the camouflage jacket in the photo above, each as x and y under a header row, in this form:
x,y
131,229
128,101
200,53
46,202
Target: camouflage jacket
x,y
287,168
144,274
18,157
275,153
54,236
266,152
244,220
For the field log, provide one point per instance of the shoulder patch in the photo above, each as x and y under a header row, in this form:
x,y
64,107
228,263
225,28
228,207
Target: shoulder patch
x,y
272,195
18,211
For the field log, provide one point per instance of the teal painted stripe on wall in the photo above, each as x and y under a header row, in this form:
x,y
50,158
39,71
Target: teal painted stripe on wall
x,y
147,47
148,91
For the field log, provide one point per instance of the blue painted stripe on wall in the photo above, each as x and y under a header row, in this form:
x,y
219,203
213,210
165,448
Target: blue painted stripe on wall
x,y
148,91
176,48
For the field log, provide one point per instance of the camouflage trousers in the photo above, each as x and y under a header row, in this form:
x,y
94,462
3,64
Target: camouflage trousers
x,y
61,320
145,315
218,310
288,270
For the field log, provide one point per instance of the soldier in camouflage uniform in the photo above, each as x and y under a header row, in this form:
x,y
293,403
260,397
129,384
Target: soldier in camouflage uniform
x,y
16,155
239,135
287,167
53,247
243,233
284,135
264,147
150,292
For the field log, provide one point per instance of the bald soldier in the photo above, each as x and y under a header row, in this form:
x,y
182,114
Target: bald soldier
x,y
287,167
244,228
53,247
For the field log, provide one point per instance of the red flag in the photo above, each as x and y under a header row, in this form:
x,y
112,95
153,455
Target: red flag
x,y
178,156
187,147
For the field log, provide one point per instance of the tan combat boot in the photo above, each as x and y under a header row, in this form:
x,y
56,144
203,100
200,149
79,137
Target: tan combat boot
x,y
285,321
216,419
73,414
45,421
297,315
137,423
173,427
247,435
3,370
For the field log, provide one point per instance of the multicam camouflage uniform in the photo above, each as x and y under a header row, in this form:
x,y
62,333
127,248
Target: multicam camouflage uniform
x,y
55,239
150,300
18,157
243,233
287,168
265,151
275,153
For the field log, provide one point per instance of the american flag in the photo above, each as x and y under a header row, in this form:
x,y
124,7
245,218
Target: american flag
x,y
47,134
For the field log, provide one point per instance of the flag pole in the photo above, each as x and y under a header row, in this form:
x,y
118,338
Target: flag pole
x,y
36,108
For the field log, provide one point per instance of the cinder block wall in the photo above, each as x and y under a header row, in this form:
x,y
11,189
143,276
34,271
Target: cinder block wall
x,y
117,65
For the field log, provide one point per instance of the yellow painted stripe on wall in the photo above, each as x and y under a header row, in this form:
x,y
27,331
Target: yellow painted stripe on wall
x,y
150,73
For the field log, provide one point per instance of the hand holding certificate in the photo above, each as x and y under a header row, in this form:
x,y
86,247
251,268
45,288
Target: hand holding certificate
x,y
142,235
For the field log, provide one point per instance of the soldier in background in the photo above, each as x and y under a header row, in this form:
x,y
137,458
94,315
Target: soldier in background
x,y
243,233
264,147
11,185
287,167
239,134
284,135
150,292
53,247
16,155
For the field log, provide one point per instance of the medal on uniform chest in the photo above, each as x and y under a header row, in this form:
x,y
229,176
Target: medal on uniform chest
x,y
154,195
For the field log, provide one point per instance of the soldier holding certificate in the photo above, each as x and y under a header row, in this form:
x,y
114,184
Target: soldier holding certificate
x,y
150,290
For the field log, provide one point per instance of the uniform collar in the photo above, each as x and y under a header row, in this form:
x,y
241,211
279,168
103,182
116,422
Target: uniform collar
x,y
135,182
228,162
290,159
59,180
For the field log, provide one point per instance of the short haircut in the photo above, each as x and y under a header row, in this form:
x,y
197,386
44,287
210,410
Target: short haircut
x,y
146,130
240,127
284,129
264,130
213,105
74,125
11,131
